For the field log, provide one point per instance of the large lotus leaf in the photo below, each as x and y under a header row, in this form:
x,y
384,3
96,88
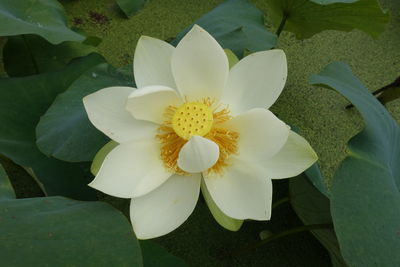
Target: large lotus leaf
x,y
312,207
237,25
64,131
22,102
155,255
42,17
365,197
56,231
25,55
305,18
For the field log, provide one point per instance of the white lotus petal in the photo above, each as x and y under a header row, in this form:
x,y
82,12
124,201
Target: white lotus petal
x,y
295,157
131,170
198,154
150,103
200,66
261,134
152,63
256,81
106,110
166,208
242,192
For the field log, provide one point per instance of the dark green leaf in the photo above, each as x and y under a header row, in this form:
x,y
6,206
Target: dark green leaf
x,y
31,54
130,7
22,102
365,197
237,25
155,255
305,18
42,17
55,231
64,131
312,207
6,189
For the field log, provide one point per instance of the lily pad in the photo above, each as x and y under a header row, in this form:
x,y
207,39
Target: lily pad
x,y
312,207
365,197
31,54
237,25
22,102
155,255
64,131
305,18
55,231
42,17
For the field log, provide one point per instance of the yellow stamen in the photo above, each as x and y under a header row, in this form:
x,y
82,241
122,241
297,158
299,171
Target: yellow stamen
x,y
196,118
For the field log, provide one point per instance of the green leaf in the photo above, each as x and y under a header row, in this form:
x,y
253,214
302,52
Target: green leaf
x,y
55,231
31,54
365,197
64,131
312,207
155,255
42,17
225,221
101,155
237,25
6,189
22,102
130,7
305,18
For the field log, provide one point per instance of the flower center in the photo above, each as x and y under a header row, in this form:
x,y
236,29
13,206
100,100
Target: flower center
x,y
202,118
192,118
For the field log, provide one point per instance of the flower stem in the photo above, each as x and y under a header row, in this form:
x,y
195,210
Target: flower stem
x,y
394,84
282,24
292,231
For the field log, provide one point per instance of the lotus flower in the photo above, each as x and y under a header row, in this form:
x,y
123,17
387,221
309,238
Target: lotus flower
x,y
193,118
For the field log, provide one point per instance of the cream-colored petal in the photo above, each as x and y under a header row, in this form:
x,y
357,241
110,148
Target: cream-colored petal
x,y
261,134
131,170
106,111
242,192
152,63
200,66
198,154
295,157
166,208
256,81
150,103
